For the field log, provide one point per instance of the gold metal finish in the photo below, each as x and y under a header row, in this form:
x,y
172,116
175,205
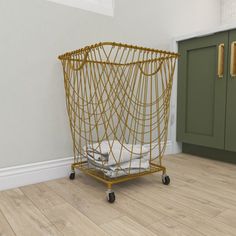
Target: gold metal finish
x,y
220,71
118,92
233,60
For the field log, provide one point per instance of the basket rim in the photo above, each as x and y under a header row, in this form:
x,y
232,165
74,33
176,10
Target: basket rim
x,y
67,55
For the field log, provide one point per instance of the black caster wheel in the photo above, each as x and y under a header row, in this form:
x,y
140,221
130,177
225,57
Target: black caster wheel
x,y
165,179
72,175
111,197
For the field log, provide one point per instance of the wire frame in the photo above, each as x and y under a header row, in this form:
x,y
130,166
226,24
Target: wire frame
x,y
118,94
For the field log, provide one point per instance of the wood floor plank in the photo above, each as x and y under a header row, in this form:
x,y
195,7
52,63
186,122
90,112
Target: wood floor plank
x,y
204,169
199,201
42,195
137,211
211,165
207,179
124,226
5,228
186,186
72,222
178,211
228,217
94,188
190,182
170,227
95,208
203,181
208,172
66,218
24,218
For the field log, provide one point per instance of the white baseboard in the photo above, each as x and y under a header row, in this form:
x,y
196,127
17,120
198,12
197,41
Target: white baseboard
x,y
21,175
169,148
17,176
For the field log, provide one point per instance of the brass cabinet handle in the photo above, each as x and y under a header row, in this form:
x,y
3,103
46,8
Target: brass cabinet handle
x,y
220,71
232,60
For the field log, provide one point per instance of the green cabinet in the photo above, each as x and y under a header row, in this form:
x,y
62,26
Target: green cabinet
x,y
230,127
206,113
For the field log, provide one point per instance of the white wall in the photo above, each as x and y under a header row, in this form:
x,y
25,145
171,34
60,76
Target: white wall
x,y
33,120
105,7
228,11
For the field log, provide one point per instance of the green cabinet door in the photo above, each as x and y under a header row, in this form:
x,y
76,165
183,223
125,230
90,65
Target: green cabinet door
x,y
230,131
201,93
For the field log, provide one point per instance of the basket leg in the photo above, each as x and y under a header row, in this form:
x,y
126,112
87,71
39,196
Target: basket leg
x,y
72,168
110,193
164,171
165,177
72,173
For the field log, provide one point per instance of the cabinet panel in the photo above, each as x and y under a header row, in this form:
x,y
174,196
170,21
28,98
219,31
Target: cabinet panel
x,y
201,93
230,135
201,66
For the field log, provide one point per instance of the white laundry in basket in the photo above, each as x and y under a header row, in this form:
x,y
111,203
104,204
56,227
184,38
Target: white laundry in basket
x,y
111,152
130,167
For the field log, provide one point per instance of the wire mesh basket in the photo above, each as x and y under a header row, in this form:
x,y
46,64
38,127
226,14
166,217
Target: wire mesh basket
x,y
118,100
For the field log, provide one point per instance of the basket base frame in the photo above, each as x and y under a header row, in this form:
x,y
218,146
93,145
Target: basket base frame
x,y
110,181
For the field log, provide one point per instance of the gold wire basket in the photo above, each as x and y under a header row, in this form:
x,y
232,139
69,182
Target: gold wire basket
x,y
118,100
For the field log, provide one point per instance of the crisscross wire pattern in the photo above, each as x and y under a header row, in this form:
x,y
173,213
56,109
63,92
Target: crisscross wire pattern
x,y
118,92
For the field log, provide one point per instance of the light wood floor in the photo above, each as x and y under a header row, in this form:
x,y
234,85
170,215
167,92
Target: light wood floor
x,y
201,200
